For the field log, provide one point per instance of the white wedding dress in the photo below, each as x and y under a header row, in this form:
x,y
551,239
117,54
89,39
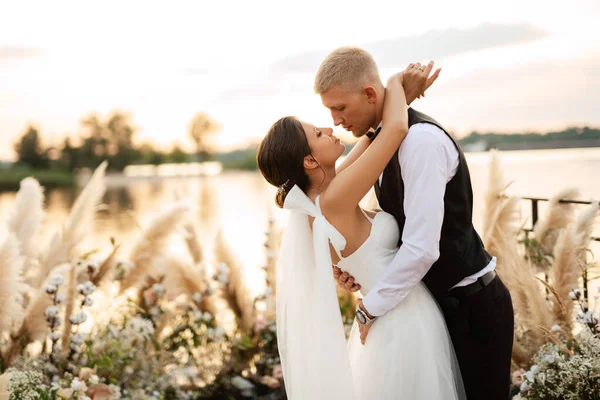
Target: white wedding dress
x,y
408,353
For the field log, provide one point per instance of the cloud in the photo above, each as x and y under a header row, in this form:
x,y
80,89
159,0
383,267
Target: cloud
x,y
391,53
535,96
17,52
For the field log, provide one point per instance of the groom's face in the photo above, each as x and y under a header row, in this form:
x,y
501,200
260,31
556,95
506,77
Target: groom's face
x,y
350,108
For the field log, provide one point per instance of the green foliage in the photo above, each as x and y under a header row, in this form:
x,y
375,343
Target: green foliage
x,y
10,179
29,149
493,139
534,252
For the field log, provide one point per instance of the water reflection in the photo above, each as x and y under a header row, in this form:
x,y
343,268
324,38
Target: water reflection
x,y
238,204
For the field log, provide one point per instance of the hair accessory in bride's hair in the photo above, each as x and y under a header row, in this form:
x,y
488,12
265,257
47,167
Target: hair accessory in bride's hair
x,y
283,188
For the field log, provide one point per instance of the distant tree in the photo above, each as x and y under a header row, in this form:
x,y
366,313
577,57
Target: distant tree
x,y
120,133
29,149
111,140
69,155
202,128
177,155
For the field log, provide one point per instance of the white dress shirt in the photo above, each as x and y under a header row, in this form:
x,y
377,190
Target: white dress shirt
x,y
428,160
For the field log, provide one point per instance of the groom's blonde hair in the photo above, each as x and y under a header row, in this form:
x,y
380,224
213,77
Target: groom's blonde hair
x,y
350,67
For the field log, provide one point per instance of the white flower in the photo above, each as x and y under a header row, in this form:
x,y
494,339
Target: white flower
x,y
268,291
555,328
206,317
158,289
78,385
51,368
54,336
270,255
86,288
50,289
534,369
129,370
51,312
56,280
94,379
88,301
524,387
219,332
223,279
78,338
197,297
92,267
530,376
78,318
59,298
241,383
139,328
223,268
549,358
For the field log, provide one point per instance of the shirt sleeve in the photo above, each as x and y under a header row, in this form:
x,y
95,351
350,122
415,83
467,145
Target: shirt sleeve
x,y
426,165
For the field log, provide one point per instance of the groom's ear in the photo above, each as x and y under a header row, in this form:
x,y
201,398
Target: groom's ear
x,y
371,94
310,162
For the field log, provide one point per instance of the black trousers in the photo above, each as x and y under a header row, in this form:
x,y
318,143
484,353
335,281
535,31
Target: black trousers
x,y
481,327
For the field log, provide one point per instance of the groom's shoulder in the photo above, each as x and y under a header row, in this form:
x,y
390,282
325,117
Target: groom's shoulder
x,y
425,134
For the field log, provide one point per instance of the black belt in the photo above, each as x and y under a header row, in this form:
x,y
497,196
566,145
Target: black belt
x,y
463,292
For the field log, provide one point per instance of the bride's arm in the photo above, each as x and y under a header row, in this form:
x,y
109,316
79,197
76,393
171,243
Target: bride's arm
x,y
414,83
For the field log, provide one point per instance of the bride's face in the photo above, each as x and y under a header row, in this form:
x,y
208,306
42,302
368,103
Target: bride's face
x,y
324,146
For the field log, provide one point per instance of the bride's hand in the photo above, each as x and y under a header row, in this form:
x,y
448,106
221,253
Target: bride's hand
x,y
344,280
416,80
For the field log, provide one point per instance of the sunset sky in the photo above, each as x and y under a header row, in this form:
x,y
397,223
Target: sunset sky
x,y
507,65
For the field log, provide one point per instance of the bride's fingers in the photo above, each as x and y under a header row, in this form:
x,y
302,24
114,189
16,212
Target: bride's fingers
x,y
432,78
349,284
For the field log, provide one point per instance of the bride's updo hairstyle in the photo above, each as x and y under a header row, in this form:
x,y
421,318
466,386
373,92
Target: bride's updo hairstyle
x,y
280,157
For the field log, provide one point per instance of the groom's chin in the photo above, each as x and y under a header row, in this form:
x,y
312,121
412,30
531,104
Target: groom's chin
x,y
358,135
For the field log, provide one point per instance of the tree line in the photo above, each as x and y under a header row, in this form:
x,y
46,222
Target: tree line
x,y
110,139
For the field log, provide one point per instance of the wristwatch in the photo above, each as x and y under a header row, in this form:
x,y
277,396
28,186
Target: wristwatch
x,y
363,318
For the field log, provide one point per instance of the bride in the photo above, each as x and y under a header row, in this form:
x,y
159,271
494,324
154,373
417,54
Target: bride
x,y
408,353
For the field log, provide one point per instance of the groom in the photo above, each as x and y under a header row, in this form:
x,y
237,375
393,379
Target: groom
x,y
427,188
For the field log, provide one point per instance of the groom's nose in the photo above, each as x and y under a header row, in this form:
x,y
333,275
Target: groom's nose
x,y
337,119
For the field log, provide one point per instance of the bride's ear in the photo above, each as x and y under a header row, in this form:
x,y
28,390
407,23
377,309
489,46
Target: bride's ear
x,y
310,162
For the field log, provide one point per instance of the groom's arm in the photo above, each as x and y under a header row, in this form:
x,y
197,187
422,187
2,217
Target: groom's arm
x,y
427,164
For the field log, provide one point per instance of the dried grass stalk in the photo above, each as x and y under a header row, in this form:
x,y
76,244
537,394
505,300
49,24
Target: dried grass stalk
x,y
569,259
547,229
192,242
69,306
11,283
152,243
25,221
106,267
237,293
76,226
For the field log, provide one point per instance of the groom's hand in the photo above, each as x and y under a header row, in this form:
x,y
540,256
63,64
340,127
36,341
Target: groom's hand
x,y
364,329
344,280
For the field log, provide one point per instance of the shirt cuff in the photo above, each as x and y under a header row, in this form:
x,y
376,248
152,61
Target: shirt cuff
x,y
373,305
